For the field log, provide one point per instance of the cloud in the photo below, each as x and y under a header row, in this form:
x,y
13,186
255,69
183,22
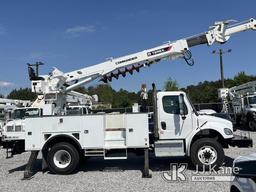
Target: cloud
x,y
5,84
78,30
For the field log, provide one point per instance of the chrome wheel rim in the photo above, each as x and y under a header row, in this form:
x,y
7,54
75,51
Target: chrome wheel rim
x,y
207,155
62,159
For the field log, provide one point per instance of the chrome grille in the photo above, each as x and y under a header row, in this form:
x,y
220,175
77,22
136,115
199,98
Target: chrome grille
x,y
17,128
9,128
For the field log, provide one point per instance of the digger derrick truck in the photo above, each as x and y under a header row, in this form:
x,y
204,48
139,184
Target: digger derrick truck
x,y
178,130
240,101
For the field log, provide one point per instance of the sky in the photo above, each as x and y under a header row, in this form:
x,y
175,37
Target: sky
x,y
72,34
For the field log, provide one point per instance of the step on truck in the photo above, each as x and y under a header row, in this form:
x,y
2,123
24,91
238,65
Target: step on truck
x,y
177,129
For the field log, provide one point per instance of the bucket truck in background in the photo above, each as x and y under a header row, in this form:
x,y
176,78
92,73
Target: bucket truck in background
x,y
178,130
240,102
72,98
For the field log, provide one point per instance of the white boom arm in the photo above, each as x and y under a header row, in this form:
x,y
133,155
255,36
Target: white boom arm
x,y
59,82
63,82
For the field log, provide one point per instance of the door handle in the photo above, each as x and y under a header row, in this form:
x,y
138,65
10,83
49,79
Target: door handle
x,y
131,130
163,125
183,117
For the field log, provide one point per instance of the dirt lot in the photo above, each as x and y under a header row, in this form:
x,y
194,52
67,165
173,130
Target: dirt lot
x,y
113,175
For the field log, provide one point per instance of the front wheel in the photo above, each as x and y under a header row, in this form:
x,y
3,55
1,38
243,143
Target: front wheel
x,y
207,153
63,158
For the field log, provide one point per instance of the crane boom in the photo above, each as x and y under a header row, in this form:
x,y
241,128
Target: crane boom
x,y
61,83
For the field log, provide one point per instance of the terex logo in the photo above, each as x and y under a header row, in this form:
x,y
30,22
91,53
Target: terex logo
x,y
158,51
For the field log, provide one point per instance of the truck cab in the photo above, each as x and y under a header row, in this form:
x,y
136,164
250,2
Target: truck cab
x,y
248,114
184,132
15,122
2,120
178,118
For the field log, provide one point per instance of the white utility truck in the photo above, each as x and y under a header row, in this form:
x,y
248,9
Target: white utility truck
x,y
177,129
243,103
6,107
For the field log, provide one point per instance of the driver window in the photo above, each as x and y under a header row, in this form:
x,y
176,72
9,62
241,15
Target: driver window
x,y
171,105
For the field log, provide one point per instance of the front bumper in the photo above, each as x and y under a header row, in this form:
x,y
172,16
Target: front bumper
x,y
240,141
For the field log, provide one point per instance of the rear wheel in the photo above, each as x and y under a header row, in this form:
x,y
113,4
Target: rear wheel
x,y
207,153
63,158
252,124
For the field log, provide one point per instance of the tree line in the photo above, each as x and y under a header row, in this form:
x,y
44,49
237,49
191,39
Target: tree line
x,y
203,92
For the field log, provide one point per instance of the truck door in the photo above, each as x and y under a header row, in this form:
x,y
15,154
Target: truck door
x,y
173,125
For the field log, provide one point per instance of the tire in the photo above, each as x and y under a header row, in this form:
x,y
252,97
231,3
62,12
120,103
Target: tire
x,y
238,120
63,158
252,124
209,148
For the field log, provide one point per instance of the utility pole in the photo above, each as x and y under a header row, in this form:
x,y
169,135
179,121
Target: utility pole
x,y
220,53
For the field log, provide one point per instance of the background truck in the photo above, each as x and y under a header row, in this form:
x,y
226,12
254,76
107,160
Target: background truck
x,y
6,107
177,129
240,102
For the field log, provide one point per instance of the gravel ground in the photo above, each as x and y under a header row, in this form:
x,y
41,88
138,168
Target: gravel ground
x,y
115,175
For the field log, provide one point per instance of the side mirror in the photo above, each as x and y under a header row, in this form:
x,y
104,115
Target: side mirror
x,y
182,106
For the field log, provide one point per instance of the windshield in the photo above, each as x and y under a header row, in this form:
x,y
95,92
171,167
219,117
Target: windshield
x,y
74,111
26,112
2,114
252,100
193,107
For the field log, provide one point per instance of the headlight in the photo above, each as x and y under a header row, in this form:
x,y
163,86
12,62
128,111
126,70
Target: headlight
x,y
228,131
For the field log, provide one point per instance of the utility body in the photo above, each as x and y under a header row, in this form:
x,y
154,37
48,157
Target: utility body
x,y
176,129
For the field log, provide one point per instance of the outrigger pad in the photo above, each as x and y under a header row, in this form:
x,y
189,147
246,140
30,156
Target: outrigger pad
x,y
145,172
28,173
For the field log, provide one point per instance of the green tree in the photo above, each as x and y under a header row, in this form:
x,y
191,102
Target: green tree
x,y
22,94
207,91
241,78
81,90
171,85
104,92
